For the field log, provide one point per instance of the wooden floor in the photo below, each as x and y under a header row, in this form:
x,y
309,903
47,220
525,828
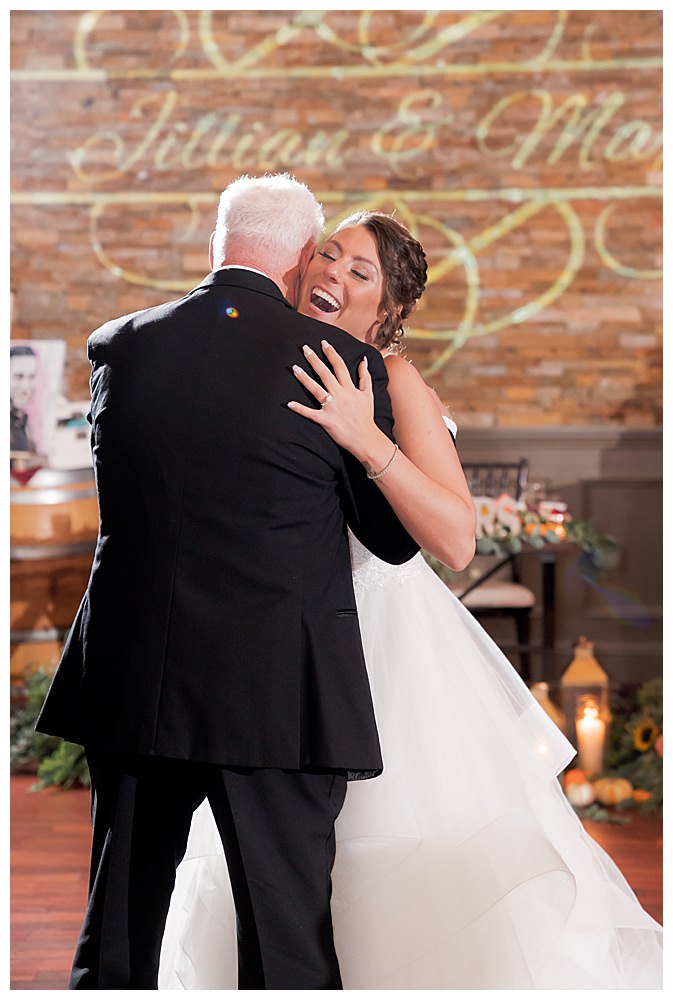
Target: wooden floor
x,y
50,838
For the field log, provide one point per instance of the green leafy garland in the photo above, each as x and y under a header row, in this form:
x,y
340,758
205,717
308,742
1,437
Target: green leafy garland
x,y
598,551
58,762
602,550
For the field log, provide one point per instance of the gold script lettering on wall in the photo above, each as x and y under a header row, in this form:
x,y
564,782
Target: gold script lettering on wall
x,y
581,125
510,142
164,142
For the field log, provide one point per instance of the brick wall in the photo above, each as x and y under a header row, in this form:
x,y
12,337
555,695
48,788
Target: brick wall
x,y
522,147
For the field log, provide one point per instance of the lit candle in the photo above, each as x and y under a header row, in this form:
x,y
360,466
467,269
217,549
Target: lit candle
x,y
590,739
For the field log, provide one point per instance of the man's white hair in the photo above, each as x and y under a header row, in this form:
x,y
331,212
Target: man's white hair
x,y
273,217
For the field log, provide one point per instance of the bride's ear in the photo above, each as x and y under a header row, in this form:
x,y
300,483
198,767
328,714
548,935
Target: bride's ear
x,y
383,318
372,332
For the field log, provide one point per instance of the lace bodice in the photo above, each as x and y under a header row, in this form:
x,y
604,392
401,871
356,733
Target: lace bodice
x,y
372,573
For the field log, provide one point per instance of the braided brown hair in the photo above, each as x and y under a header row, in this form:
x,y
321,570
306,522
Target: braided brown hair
x,y
404,271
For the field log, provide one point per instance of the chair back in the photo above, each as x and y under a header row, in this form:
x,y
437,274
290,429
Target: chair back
x,y
490,479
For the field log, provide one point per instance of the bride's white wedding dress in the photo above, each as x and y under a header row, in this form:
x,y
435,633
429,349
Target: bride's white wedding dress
x,y
462,865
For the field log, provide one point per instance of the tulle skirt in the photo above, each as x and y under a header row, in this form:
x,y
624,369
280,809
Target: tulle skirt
x,y
462,865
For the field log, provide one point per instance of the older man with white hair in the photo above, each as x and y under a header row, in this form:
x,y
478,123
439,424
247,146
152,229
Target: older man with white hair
x,y
216,653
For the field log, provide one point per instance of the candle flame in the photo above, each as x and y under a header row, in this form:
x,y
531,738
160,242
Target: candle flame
x,y
590,711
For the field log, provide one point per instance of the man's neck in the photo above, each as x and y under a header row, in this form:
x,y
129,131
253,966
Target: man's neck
x,y
247,265
243,267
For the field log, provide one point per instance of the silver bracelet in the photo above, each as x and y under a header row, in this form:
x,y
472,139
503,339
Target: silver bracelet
x,y
377,475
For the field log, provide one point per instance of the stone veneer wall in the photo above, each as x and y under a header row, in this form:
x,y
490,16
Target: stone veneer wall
x,y
523,147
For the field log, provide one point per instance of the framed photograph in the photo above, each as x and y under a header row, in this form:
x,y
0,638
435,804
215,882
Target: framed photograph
x,y
35,380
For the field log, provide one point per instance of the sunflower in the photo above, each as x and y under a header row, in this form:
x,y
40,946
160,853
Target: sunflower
x,y
645,734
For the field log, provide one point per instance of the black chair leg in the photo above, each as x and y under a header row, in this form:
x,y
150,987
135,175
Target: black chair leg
x,y
522,619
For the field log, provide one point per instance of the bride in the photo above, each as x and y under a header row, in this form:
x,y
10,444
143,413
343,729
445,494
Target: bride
x,y
462,865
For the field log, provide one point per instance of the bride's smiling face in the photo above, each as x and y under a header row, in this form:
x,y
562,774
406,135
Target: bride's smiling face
x,y
343,283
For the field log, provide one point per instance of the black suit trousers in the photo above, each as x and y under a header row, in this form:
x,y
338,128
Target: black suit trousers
x,y
277,829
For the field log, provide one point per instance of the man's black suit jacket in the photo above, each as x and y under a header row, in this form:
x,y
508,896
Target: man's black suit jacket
x,y
219,623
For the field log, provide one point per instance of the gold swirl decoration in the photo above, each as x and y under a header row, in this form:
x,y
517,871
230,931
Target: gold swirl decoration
x,y
91,20
452,252
424,48
652,273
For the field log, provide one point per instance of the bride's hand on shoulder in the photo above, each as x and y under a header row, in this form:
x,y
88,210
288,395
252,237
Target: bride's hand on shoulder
x,y
346,410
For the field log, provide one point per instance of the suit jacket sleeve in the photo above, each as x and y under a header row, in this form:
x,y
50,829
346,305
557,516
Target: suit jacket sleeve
x,y
370,517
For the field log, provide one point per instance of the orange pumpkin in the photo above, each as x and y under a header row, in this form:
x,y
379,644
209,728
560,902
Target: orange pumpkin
x,y
575,776
612,791
641,795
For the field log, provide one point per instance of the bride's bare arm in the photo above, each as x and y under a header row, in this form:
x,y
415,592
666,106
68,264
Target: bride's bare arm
x,y
425,484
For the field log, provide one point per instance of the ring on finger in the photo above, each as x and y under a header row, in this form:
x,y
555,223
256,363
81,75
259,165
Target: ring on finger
x,y
326,400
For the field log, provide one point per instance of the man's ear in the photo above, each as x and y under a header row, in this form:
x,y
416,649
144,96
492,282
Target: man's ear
x,y
210,250
306,256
